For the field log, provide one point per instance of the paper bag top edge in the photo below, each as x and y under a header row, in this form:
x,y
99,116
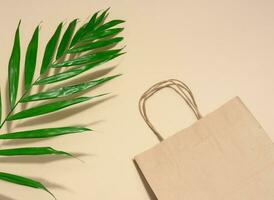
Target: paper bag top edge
x,y
234,100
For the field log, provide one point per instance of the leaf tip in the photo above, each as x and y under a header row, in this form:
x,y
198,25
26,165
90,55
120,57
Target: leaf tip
x,y
122,53
112,77
39,25
50,193
123,47
87,129
118,75
60,25
19,23
107,9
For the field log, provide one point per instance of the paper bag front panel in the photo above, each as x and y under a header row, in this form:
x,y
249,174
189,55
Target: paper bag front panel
x,y
224,156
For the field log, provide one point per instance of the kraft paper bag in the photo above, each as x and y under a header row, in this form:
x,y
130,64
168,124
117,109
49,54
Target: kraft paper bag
x,y
225,155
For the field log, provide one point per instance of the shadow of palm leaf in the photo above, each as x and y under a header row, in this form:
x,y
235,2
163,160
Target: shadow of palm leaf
x,y
87,77
50,184
3,197
40,159
62,114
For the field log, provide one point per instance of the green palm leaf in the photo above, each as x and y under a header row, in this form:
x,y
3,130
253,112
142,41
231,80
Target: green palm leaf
x,y
77,35
83,30
95,45
101,18
66,39
72,72
93,57
20,180
14,68
30,60
47,108
32,151
102,34
43,133
110,24
92,45
90,26
50,49
67,90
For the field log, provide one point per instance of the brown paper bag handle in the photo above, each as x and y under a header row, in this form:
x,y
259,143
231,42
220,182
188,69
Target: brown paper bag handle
x,y
180,88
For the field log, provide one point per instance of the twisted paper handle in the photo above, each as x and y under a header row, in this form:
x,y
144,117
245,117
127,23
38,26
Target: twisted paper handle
x,y
180,88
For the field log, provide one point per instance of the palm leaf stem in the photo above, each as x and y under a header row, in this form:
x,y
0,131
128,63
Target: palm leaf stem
x,y
17,102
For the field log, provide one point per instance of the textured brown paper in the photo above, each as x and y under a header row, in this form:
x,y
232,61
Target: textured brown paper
x,y
226,155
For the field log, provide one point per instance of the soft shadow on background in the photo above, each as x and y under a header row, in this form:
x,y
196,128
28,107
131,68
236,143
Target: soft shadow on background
x,y
145,183
2,197
51,185
60,115
42,159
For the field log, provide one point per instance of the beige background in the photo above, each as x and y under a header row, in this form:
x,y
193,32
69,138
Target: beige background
x,y
219,48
